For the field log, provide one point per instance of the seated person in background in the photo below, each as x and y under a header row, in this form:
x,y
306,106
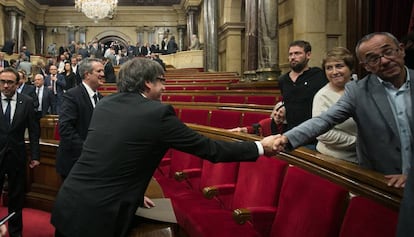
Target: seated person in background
x,y
274,125
340,141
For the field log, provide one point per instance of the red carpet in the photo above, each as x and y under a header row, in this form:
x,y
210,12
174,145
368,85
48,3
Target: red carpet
x,y
36,223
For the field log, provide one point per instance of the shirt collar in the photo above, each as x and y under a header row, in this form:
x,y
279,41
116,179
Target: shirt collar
x,y
91,93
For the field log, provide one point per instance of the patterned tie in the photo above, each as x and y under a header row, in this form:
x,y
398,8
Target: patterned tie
x,y
7,113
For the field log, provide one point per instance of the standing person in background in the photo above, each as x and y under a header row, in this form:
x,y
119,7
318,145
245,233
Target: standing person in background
x,y
17,115
69,75
382,106
299,85
109,71
26,88
108,182
56,83
45,97
340,141
75,115
172,46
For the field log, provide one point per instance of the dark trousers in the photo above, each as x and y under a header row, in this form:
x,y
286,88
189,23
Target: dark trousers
x,y
16,175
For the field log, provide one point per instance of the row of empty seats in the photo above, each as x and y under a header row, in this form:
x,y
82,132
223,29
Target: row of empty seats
x,y
265,198
237,99
220,118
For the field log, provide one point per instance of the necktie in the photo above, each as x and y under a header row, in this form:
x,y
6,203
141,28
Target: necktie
x,y
7,113
95,98
54,86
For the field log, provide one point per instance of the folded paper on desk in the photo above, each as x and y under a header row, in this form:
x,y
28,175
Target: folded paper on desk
x,y
163,211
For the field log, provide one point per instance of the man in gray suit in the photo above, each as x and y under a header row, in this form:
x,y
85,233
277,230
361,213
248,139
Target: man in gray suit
x,y
382,106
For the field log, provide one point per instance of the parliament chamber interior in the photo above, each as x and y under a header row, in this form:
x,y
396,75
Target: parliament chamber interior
x,y
229,81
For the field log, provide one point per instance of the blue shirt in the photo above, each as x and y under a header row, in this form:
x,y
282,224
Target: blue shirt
x,y
400,101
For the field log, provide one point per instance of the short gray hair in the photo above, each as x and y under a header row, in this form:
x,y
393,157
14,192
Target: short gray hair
x,y
86,66
135,72
370,36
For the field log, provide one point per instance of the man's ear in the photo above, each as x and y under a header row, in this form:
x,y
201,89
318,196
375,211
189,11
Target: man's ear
x,y
148,85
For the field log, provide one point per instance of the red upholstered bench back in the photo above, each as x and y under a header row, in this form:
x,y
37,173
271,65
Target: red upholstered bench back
x,y
365,217
309,205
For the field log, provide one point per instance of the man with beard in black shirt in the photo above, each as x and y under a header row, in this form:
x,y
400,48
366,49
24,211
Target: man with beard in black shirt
x,y
299,85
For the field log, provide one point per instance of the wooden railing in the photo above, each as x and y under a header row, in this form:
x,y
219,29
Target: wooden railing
x,y
43,182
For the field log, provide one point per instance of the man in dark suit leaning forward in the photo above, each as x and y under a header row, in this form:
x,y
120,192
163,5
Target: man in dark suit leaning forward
x,y
76,112
129,133
16,115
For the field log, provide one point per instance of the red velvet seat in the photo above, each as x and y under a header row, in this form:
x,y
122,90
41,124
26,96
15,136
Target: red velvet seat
x,y
261,100
196,116
309,206
180,98
365,217
205,98
225,119
179,161
238,99
250,118
257,189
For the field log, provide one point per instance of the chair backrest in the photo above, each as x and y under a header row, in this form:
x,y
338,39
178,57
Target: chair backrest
x,y
259,183
309,205
225,119
182,160
218,173
196,116
250,118
365,217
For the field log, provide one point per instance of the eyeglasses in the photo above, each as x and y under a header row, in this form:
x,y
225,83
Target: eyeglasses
x,y
8,82
389,53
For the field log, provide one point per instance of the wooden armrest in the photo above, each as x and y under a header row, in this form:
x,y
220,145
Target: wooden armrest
x,y
254,214
241,215
213,191
187,173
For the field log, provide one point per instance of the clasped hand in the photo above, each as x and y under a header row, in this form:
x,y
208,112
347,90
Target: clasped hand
x,y
274,144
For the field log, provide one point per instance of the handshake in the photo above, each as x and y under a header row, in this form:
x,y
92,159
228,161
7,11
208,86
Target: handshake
x,y
274,144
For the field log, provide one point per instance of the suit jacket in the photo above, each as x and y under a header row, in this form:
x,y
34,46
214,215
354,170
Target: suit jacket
x,y
5,64
108,182
109,73
47,101
378,142
30,91
74,118
12,138
60,88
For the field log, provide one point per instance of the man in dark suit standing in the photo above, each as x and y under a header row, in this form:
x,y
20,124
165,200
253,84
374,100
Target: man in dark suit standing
x,y
27,89
17,114
76,112
45,98
56,83
128,135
